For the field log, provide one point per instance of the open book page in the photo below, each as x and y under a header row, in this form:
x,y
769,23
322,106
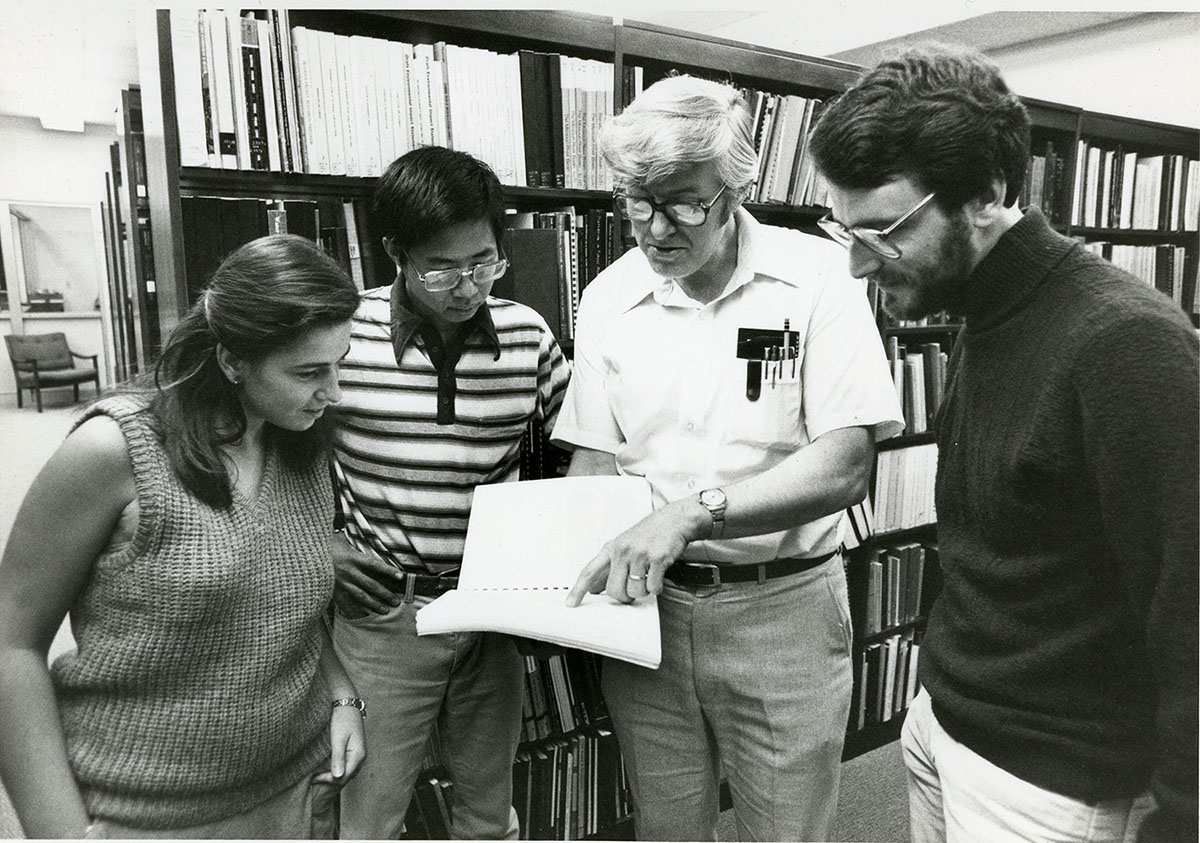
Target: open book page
x,y
526,544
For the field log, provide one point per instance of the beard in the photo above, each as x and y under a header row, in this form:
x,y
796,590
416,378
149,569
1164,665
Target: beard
x,y
929,284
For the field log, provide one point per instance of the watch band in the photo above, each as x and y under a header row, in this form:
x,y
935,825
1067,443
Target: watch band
x,y
353,702
715,502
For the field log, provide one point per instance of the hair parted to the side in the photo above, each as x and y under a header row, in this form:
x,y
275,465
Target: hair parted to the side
x,y
677,122
264,296
431,188
940,115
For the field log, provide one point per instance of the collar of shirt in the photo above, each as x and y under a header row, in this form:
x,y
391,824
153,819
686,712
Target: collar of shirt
x,y
752,261
406,321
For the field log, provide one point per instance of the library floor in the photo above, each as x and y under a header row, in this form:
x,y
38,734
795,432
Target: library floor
x,y
873,806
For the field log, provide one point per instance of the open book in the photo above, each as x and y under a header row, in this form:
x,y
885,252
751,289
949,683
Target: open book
x,y
526,544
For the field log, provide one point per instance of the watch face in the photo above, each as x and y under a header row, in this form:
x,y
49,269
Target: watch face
x,y
712,497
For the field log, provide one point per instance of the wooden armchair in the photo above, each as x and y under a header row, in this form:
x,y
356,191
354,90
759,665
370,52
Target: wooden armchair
x,y
43,361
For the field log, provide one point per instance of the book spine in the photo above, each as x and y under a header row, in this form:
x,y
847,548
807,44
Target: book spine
x,y
253,102
223,96
207,88
330,108
189,97
348,103
271,116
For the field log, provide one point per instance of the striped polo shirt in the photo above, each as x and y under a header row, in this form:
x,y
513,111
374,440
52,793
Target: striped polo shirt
x,y
411,446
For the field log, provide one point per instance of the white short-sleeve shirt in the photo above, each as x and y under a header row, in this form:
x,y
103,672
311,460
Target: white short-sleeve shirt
x,y
657,381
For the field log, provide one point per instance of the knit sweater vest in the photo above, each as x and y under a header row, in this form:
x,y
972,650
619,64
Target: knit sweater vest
x,y
1062,646
195,692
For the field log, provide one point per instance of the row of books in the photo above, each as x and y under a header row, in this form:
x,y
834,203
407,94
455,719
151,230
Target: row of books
x,y
563,104
554,255
1164,266
885,679
255,93
1043,187
904,487
781,128
571,787
886,586
919,374
213,226
562,694
1115,188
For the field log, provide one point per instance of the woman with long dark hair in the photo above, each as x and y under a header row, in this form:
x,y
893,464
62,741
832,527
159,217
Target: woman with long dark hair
x,y
184,527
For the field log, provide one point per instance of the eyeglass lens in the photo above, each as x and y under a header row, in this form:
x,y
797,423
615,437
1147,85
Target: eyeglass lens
x,y
873,240
447,279
681,213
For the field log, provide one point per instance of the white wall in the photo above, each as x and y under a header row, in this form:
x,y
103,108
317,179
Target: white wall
x,y
44,166
1147,67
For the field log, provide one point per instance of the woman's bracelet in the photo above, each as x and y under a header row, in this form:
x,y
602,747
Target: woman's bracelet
x,y
355,702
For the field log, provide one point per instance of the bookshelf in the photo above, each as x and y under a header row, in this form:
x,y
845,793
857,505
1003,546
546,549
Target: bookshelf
x,y
128,244
579,36
1127,188
632,49
1134,201
1053,140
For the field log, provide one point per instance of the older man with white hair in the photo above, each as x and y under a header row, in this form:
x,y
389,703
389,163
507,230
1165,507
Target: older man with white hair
x,y
736,367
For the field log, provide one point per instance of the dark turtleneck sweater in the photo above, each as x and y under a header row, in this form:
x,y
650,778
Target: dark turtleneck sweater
x,y
1063,645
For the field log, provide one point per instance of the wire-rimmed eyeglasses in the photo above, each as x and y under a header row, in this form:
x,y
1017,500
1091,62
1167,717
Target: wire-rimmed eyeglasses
x,y
441,280
875,240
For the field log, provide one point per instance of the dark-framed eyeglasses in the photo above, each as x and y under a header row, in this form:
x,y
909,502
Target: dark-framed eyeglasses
x,y
875,240
690,214
441,280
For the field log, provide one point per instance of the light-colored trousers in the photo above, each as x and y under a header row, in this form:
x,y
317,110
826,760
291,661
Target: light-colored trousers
x,y
957,796
469,684
755,680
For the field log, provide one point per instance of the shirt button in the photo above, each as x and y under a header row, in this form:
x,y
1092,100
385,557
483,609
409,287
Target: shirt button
x,y
445,400
691,484
691,426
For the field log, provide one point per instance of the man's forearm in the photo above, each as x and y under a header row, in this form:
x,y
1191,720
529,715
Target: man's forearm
x,y
585,462
825,477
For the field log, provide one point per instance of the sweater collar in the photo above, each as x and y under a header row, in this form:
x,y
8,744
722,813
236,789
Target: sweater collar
x,y
1016,266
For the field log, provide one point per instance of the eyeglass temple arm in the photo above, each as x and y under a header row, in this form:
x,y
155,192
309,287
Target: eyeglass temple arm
x,y
911,211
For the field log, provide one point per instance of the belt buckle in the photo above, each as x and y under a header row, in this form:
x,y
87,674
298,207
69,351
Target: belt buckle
x,y
713,570
447,581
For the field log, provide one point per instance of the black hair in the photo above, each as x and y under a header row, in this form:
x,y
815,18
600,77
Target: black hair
x,y
432,188
940,115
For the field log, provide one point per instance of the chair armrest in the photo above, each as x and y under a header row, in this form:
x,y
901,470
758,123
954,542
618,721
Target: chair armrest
x,y
92,357
26,365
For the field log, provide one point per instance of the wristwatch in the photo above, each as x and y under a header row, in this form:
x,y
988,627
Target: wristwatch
x,y
715,502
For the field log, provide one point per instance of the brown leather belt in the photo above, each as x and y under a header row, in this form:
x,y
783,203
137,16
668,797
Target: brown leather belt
x,y
696,574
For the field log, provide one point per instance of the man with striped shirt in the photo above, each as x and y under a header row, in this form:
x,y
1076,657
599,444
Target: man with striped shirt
x,y
438,387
